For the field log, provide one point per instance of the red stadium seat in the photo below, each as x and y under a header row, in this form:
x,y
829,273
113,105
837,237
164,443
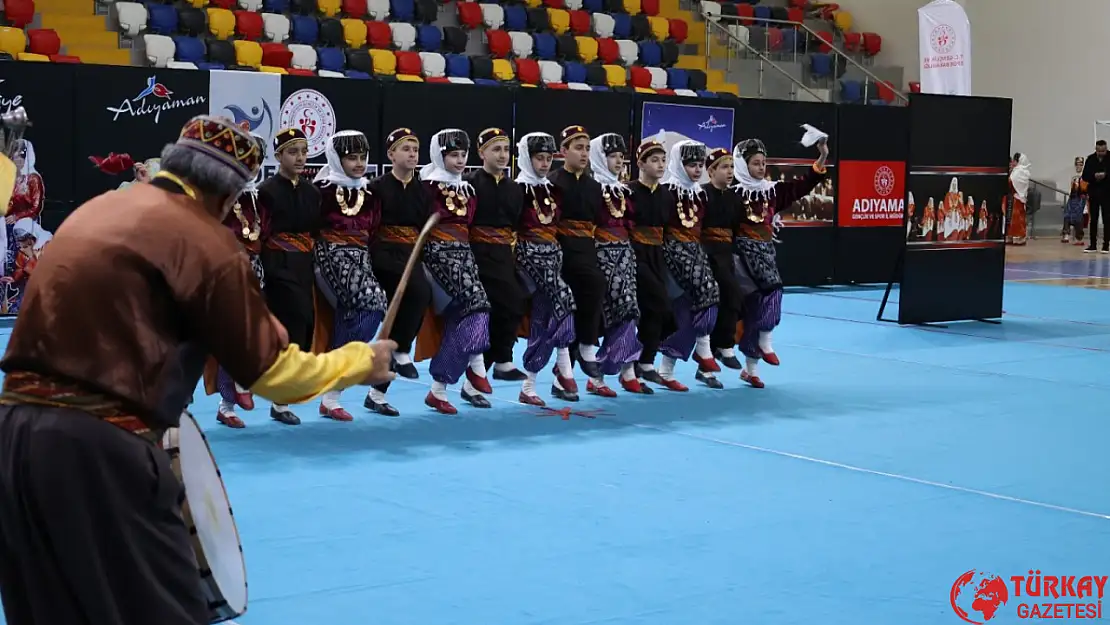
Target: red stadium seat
x,y
248,24
794,14
886,91
223,4
640,77
825,40
408,63
470,14
666,92
580,22
872,44
553,4
64,58
43,41
608,51
745,12
852,42
677,29
438,79
300,72
528,71
915,87
499,43
649,7
354,8
276,55
378,35
560,86
19,13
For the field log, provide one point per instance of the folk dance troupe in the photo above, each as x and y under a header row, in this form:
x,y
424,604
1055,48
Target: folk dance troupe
x,y
619,279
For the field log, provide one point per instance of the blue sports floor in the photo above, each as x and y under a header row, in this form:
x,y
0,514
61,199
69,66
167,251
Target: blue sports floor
x,y
879,464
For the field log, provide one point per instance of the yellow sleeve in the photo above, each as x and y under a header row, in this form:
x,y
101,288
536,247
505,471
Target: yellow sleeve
x,y
297,377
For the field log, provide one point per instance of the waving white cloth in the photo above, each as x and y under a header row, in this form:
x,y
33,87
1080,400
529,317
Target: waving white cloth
x,y
527,173
333,171
676,177
812,136
436,172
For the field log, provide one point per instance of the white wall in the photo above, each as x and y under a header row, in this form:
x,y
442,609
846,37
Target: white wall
x,y
896,22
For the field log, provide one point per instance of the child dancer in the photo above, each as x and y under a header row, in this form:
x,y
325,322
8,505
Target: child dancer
x,y
1075,206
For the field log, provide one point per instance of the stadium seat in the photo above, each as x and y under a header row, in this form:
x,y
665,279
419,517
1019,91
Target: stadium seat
x,y
852,42
499,42
427,11
292,71
795,14
275,6
385,62
433,65
745,12
528,71
538,20
843,21
429,38
459,80
304,57
159,49
19,13
402,10
615,75
678,30
559,20
378,9
43,41
493,16
481,68
572,5
603,24
357,75
131,17
408,63
710,10
639,77
516,17
188,49
522,44
220,52
622,26
275,26
354,32
276,55
306,30
331,33
660,27
553,4
327,59
246,5
356,9
824,41
544,45
650,53
362,62
304,7
64,58
327,73
677,78
821,65
886,91
851,91
579,22
454,39
248,24
697,80
669,54
470,14
779,13
503,70
409,78
404,35
458,66
248,53
762,12
574,72
608,51
551,72
596,76
191,21
774,39
658,77
268,69
31,56
178,65
872,44
629,51
587,48
161,19
631,7
379,35
566,48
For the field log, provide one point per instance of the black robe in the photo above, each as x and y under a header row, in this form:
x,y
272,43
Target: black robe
x,y
652,208
581,203
722,210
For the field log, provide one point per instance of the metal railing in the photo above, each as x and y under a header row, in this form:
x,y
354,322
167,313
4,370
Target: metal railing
x,y
714,24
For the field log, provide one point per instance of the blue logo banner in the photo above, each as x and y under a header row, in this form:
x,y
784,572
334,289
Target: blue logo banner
x,y
670,123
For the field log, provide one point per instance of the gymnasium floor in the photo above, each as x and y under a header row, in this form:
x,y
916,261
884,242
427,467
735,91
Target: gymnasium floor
x,y
879,464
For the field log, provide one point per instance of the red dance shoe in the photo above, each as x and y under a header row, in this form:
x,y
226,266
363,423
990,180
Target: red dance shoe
x,y
479,382
675,385
771,358
751,379
230,420
632,386
601,390
336,414
441,406
531,400
707,364
568,384
245,400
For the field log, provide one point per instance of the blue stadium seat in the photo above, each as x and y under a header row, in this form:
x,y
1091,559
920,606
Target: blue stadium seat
x,y
516,18
458,66
651,54
330,59
789,40
707,94
306,30
209,66
429,38
851,91
677,78
821,65
599,88
161,19
486,82
351,73
544,46
188,49
275,6
402,10
762,12
574,72
622,26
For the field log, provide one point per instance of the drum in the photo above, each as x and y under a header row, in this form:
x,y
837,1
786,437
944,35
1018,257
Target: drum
x,y
207,513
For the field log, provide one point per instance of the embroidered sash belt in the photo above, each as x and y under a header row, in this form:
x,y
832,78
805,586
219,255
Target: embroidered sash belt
x,y
648,235
456,233
541,234
611,235
491,236
398,234
716,235
576,228
291,242
358,237
683,235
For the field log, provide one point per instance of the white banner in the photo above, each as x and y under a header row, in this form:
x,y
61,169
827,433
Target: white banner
x,y
253,97
945,48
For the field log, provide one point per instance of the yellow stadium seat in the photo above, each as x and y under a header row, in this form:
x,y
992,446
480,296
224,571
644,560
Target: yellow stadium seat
x,y
529,86
631,7
615,75
644,90
221,22
328,7
409,78
560,20
29,56
270,69
354,32
503,70
198,4
12,40
248,53
660,27
532,4
843,21
587,48
385,62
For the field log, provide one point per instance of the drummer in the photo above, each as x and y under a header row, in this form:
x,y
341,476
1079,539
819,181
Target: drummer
x,y
90,526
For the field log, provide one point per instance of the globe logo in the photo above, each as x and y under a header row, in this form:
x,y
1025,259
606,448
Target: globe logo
x,y
978,595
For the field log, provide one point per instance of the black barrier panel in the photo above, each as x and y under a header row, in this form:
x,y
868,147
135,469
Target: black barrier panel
x,y
322,107
46,91
427,109
873,144
550,111
130,110
952,284
970,131
778,124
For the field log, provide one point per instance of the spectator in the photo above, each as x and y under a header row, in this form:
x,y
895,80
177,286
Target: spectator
x,y
1098,194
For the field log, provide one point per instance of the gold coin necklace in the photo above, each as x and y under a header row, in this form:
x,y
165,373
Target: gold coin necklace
x,y
341,199
250,231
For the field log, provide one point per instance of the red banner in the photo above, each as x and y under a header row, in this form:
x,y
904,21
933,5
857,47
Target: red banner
x,y
872,194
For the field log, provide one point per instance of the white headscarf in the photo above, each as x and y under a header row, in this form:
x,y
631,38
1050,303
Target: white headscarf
x,y
599,167
435,171
527,173
1021,177
676,177
744,180
333,171
252,185
28,226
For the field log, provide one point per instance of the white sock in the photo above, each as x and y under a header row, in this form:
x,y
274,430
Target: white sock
x,y
240,389
728,352
647,367
439,390
504,367
588,352
282,408
330,400
478,364
751,364
765,343
402,358
707,374
469,389
666,368
562,362
701,347
628,372
597,382
227,408
528,387
376,396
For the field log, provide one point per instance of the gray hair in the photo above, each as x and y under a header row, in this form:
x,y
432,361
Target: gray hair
x,y
210,176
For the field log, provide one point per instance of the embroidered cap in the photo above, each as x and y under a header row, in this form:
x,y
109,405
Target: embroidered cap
x,y
221,139
287,137
693,153
397,136
646,148
717,157
749,148
570,133
350,142
540,143
489,135
611,143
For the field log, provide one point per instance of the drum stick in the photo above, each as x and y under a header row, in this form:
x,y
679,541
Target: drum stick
x,y
395,305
